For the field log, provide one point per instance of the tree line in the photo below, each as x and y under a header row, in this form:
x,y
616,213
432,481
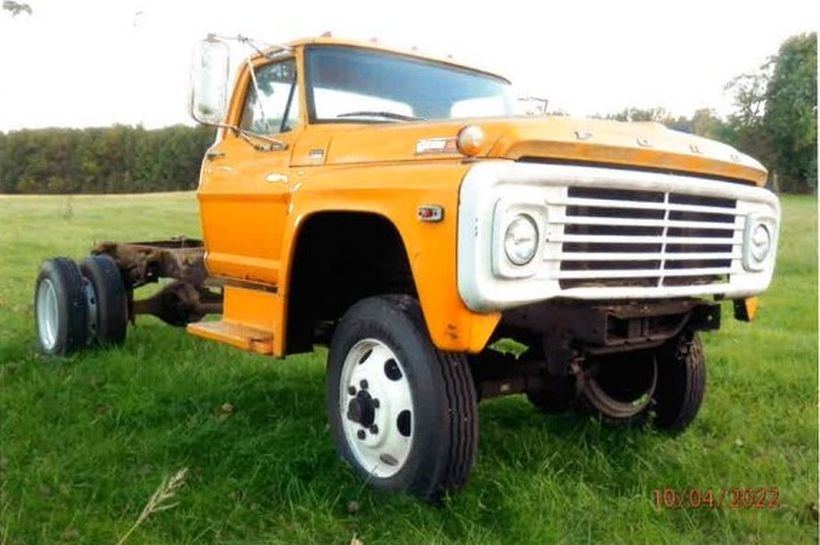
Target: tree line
x,y
774,120
118,159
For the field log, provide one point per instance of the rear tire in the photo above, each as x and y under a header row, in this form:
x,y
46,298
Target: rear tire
x,y
402,413
111,299
60,307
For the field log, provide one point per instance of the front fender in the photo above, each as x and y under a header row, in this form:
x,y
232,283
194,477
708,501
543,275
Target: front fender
x,y
395,192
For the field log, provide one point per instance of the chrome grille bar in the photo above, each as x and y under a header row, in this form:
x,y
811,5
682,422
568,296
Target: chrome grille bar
x,y
707,241
628,237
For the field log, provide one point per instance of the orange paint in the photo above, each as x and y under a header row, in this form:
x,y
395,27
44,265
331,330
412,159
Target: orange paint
x,y
253,203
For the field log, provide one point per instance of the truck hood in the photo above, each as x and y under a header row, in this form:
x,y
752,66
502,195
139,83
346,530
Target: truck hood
x,y
564,139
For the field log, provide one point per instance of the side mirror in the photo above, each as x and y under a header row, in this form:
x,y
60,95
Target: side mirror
x,y
209,81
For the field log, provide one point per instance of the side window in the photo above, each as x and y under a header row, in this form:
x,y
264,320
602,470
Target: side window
x,y
275,108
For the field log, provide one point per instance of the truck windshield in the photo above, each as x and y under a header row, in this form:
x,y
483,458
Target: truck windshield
x,y
352,84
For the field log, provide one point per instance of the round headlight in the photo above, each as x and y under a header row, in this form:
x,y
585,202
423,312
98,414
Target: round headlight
x,y
521,239
761,242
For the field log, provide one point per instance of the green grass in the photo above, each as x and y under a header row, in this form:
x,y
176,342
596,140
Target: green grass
x,y
85,441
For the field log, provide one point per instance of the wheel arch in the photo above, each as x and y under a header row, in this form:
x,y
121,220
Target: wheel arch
x,y
320,277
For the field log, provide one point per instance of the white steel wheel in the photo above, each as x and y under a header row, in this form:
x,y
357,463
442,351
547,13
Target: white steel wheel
x,y
46,312
402,413
60,307
376,407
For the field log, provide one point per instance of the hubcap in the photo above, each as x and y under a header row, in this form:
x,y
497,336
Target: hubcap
x,y
47,315
376,406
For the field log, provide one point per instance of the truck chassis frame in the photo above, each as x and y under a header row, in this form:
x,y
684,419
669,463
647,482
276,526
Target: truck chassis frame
x,y
191,294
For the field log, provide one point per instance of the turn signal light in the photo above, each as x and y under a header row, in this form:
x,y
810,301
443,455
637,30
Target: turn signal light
x,y
745,309
470,140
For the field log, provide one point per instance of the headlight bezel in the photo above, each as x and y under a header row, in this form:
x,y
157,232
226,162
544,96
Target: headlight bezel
x,y
505,212
754,222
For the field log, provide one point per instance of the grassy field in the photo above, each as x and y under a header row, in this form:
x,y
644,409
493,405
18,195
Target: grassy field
x,y
85,441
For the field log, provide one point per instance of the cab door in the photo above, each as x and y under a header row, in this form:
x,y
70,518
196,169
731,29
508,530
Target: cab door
x,y
245,191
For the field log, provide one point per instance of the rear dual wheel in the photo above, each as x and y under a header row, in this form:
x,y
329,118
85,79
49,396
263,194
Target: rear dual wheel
x,y
111,300
60,307
77,306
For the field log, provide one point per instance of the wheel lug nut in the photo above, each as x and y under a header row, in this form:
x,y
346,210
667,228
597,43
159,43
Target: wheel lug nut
x,y
363,384
374,429
351,390
360,434
376,403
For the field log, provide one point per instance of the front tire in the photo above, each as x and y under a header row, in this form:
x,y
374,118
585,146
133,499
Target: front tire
x,y
402,413
681,383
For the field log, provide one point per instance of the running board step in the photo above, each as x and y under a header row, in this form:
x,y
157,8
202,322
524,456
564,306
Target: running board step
x,y
237,335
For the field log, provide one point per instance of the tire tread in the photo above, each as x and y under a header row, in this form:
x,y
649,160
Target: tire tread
x,y
104,275
67,274
688,384
461,398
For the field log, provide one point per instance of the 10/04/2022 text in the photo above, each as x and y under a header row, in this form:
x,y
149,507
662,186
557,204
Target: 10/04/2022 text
x,y
759,497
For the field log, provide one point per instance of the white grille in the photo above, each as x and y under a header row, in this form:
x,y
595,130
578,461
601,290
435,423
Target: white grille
x,y
608,234
604,237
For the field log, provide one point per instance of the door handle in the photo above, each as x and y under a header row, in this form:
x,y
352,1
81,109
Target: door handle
x,y
214,154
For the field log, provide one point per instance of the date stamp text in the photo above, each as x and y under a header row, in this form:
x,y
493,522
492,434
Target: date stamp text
x,y
758,497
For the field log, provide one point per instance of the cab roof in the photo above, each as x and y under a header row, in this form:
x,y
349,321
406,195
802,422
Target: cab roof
x,y
328,40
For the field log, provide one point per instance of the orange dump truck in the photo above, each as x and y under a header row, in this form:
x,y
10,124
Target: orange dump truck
x,y
391,206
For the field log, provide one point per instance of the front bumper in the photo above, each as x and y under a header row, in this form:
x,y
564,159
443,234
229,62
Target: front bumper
x,y
609,234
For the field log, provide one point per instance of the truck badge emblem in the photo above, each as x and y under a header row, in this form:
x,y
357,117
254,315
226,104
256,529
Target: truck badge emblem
x,y
316,155
583,135
436,145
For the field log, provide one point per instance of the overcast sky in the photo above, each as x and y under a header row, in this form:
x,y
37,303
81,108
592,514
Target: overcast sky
x,y
84,63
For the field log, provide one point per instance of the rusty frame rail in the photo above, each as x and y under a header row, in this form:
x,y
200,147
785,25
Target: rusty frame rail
x,y
188,298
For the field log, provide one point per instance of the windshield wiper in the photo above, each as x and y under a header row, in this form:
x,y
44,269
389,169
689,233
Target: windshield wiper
x,y
386,115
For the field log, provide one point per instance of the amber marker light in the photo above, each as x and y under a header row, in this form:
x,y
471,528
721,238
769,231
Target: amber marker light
x,y
469,140
746,309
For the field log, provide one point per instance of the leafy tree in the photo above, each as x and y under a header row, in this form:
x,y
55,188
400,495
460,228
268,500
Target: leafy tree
x,y
745,129
749,91
705,122
775,116
790,117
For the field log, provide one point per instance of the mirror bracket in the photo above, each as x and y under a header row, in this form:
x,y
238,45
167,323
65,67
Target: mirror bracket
x,y
252,138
